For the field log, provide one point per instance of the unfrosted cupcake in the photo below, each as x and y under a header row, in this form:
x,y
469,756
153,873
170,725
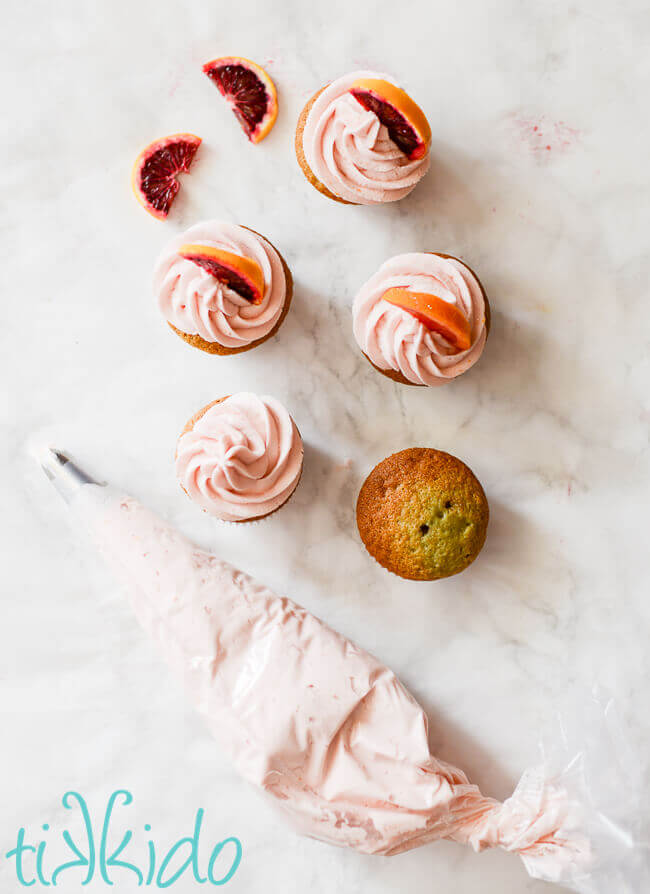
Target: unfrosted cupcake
x,y
422,319
223,288
362,140
240,457
422,514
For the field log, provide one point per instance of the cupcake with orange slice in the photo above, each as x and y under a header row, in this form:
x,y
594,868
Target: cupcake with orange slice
x,y
222,287
422,319
362,140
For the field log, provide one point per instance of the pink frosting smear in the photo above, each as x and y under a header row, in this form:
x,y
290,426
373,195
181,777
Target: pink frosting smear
x,y
322,727
396,340
242,459
350,152
196,303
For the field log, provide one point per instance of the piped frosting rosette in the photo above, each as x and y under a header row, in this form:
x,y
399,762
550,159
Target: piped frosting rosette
x,y
350,151
396,340
194,302
240,458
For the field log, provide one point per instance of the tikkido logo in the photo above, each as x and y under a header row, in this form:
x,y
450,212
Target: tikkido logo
x,y
95,859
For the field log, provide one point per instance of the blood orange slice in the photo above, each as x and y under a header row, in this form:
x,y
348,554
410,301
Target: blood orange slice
x,y
155,171
405,121
249,91
242,275
435,313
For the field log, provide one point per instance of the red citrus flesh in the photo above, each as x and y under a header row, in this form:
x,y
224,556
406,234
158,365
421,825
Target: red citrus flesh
x,y
249,91
155,171
242,275
405,121
435,313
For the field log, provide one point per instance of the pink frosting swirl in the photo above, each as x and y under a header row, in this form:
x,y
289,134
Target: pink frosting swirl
x,y
394,339
242,458
350,152
196,303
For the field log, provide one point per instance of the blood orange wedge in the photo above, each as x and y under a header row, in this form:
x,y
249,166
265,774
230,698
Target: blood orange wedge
x,y
242,275
405,121
435,313
249,91
155,171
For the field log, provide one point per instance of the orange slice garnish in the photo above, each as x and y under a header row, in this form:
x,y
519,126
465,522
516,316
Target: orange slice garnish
x,y
242,275
435,313
405,121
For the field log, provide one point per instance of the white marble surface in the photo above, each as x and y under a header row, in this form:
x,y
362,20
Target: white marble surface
x,y
554,419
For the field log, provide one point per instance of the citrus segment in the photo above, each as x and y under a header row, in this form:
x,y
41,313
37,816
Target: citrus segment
x,y
405,121
242,275
435,313
154,176
249,91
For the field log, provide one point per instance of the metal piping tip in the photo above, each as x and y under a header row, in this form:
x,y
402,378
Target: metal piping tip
x,y
66,476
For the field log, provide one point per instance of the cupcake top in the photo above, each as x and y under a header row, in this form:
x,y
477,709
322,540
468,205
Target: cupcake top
x,y
422,514
350,150
395,339
195,302
240,458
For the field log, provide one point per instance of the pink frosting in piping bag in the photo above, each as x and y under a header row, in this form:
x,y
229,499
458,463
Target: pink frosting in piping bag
x,y
349,150
314,721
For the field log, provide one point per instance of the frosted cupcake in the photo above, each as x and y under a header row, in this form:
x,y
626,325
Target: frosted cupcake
x,y
422,319
240,457
362,140
222,288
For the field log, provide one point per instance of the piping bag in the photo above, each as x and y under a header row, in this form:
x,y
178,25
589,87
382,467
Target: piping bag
x,y
327,731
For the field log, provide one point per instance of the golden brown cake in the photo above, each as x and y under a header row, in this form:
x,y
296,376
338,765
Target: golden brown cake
x,y
422,514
